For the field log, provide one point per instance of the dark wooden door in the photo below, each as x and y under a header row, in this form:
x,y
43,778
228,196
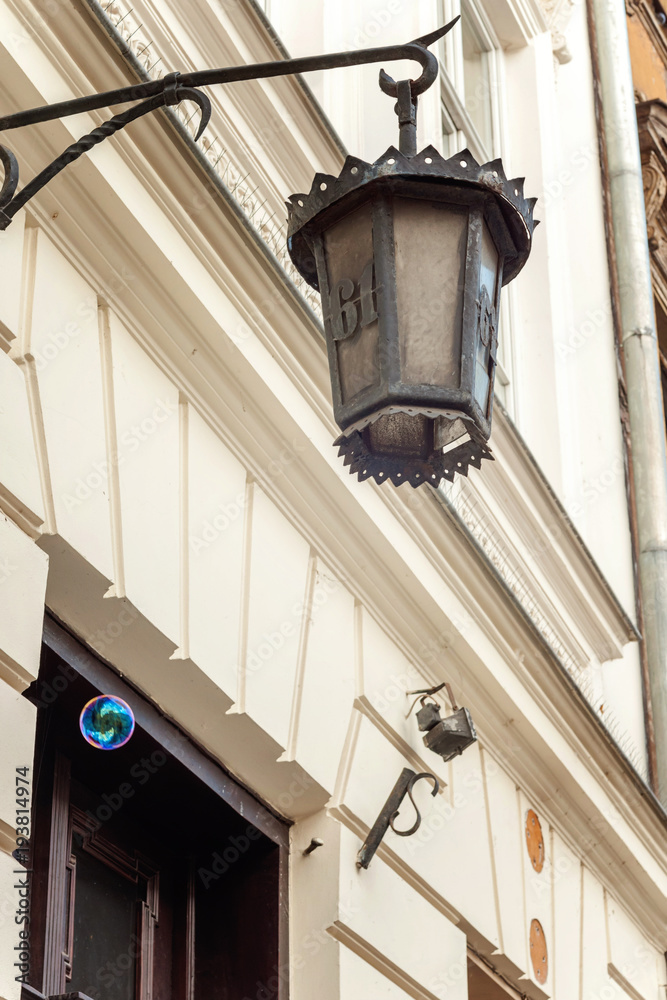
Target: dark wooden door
x,y
147,885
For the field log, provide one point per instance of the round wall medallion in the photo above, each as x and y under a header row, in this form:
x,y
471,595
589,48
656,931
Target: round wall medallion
x,y
534,840
538,952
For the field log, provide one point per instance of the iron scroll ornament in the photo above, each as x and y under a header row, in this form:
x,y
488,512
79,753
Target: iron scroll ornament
x,y
177,87
172,93
404,786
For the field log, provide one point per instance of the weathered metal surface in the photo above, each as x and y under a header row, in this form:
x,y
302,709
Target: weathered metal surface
x,y
172,93
416,471
404,786
176,87
447,737
451,736
461,170
409,254
535,840
416,49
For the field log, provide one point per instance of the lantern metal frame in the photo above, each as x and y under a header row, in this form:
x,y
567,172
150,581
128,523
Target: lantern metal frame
x,y
459,180
459,183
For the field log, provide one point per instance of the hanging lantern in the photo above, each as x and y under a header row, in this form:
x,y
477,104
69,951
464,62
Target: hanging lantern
x,y
409,255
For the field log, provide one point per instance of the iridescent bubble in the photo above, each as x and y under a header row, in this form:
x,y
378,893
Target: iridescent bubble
x,y
106,722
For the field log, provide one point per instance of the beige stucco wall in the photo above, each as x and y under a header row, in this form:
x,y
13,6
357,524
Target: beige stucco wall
x,y
259,626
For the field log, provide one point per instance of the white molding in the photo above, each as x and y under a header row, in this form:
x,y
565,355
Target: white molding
x,y
617,976
516,22
557,14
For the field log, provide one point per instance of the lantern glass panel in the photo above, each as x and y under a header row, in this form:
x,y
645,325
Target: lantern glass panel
x,y
430,242
487,321
352,307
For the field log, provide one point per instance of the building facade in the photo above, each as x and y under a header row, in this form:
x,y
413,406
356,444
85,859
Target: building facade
x,y
170,495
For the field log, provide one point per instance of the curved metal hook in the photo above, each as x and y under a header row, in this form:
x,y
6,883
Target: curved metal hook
x,y
174,93
171,94
418,49
11,168
418,822
190,94
177,87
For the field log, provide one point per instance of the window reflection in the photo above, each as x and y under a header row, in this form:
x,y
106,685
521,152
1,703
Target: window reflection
x,y
477,80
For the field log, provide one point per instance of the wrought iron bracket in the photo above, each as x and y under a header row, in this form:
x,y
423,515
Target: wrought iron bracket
x,y
177,87
390,811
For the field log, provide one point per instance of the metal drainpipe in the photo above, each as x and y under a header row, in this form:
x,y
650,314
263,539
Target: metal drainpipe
x,y
640,349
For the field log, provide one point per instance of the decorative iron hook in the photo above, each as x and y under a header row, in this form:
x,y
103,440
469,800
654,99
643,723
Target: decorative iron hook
x,y
408,91
390,810
418,821
429,75
171,93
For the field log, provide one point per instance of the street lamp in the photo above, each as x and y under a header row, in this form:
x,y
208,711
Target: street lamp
x,y
409,254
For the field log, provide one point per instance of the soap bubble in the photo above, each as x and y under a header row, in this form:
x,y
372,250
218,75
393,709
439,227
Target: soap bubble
x,y
106,722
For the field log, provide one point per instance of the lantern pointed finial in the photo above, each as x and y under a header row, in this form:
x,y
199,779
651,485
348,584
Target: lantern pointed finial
x,y
435,36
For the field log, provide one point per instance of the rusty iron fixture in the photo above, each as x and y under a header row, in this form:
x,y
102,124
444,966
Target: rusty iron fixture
x,y
447,737
404,786
313,845
409,254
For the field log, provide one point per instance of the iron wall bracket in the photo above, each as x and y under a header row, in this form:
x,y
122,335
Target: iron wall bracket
x,y
390,810
177,87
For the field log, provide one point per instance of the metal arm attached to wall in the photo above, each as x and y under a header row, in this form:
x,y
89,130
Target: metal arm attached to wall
x,y
177,87
389,812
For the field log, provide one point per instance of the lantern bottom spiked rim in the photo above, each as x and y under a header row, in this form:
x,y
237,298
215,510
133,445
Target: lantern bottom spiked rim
x,y
368,460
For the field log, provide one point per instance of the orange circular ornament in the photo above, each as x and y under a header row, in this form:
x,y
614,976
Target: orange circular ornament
x,y
534,840
538,952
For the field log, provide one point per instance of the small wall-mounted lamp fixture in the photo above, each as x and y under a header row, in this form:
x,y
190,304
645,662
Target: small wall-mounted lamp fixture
x,y
447,737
